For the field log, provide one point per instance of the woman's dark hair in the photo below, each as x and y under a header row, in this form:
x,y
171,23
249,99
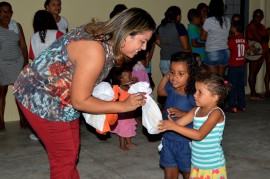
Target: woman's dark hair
x,y
4,3
171,14
193,68
129,22
117,9
46,3
43,20
217,10
215,84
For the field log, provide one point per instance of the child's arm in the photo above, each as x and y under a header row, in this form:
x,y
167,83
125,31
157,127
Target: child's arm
x,y
215,117
169,124
174,112
186,118
195,43
162,84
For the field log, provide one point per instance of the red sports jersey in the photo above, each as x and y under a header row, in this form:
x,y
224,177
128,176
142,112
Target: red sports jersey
x,y
237,45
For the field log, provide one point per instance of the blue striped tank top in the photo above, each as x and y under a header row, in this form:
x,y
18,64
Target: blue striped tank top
x,y
207,154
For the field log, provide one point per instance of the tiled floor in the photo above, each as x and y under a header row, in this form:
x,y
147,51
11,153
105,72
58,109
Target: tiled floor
x,y
246,144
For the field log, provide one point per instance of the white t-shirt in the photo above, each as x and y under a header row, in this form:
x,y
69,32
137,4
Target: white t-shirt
x,y
63,25
217,37
36,46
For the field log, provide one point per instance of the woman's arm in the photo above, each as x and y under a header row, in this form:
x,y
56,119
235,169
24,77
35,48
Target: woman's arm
x,y
23,46
185,43
150,54
89,58
255,33
157,39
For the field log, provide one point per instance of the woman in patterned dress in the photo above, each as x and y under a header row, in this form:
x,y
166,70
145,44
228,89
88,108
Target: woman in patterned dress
x,y
57,85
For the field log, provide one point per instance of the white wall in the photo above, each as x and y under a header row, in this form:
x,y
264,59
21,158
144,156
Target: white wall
x,y
81,11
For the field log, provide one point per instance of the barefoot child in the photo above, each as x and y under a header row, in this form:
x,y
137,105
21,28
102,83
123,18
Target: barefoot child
x,y
208,120
125,126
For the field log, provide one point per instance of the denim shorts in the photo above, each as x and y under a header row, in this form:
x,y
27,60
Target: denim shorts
x,y
217,58
164,66
175,154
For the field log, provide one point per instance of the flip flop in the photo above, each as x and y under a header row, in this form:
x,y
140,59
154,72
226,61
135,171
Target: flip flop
x,y
257,98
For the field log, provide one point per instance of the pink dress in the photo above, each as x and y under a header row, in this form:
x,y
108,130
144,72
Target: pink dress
x,y
140,72
126,123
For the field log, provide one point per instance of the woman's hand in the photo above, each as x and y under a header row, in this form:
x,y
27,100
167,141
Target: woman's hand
x,y
134,101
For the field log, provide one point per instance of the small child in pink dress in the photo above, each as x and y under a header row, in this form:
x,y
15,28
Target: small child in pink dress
x,y
139,71
125,127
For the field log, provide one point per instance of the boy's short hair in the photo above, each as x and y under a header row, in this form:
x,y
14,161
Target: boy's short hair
x,y
238,26
192,13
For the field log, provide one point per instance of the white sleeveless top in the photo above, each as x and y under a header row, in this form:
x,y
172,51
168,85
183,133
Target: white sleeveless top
x,y
37,46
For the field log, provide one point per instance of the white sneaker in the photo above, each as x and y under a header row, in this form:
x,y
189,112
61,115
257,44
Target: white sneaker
x,y
33,137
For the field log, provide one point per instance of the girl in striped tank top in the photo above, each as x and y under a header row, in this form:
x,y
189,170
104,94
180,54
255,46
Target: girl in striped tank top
x,y
207,159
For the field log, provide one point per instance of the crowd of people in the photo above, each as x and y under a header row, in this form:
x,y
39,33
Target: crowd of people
x,y
203,66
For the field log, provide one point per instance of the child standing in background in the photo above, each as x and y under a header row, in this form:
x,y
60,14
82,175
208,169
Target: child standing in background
x,y
209,121
54,7
46,32
179,86
194,33
203,11
125,127
236,69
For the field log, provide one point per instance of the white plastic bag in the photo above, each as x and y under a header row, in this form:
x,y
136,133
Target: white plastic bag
x,y
105,92
151,114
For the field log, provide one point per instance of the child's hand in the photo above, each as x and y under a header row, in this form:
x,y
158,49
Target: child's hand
x,y
173,112
165,125
167,75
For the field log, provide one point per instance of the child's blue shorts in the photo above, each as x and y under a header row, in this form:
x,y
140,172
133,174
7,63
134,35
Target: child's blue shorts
x,y
175,154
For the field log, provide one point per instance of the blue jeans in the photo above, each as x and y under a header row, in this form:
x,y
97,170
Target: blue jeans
x,y
236,76
164,66
217,58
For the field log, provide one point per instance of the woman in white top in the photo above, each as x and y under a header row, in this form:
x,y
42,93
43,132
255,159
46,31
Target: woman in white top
x,y
54,7
216,31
